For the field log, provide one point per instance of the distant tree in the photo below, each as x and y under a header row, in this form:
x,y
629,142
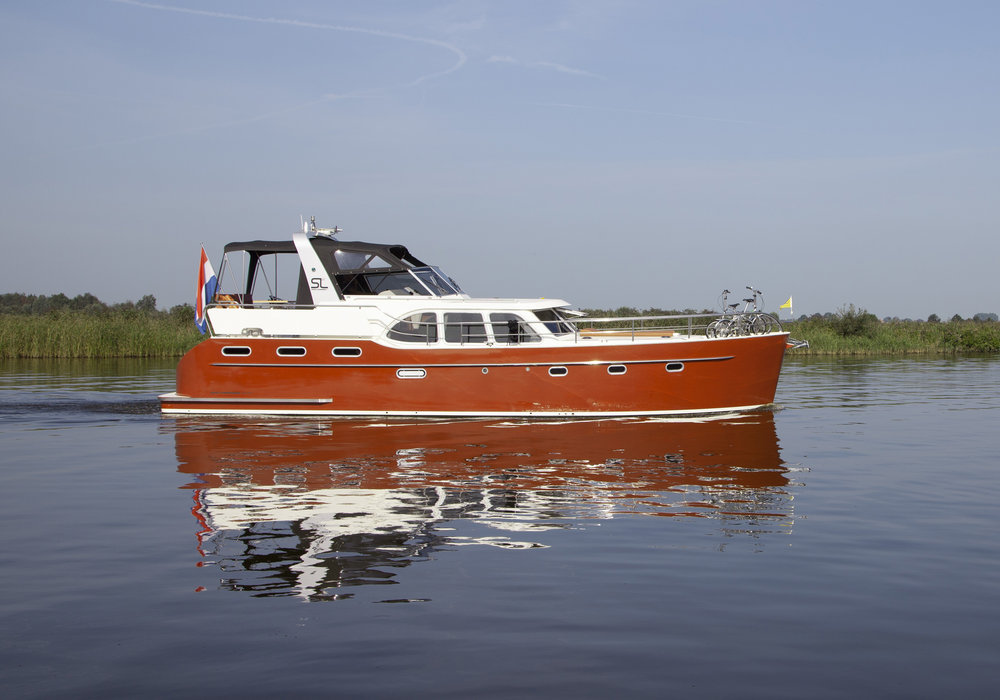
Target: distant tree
x,y
57,302
933,318
956,318
147,304
82,301
852,321
15,303
983,317
182,313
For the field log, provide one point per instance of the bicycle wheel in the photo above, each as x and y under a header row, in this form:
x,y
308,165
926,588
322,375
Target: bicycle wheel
x,y
757,324
764,323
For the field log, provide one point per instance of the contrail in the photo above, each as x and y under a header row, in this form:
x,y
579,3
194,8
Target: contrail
x,y
459,54
459,62
675,115
548,65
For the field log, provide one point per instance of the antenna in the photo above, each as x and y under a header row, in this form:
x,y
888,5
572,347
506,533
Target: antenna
x,y
327,232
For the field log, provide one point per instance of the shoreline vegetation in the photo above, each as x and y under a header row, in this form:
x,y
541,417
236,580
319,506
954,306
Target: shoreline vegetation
x,y
84,327
57,327
852,331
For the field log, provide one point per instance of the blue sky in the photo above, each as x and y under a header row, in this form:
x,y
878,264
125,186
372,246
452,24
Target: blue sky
x,y
605,152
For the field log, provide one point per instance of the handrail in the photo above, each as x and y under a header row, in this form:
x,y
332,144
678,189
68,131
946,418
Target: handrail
x,y
476,333
642,318
637,326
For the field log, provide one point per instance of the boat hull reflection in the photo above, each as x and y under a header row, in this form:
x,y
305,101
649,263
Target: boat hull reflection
x,y
313,508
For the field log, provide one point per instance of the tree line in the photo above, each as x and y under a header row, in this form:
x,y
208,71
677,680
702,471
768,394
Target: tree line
x,y
41,304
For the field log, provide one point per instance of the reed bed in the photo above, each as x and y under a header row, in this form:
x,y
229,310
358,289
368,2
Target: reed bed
x,y
854,331
67,334
132,333
898,338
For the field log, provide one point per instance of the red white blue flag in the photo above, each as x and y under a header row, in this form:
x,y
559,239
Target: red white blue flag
x,y
207,282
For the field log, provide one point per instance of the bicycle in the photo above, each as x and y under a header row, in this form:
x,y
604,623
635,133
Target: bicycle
x,y
725,325
757,322
750,321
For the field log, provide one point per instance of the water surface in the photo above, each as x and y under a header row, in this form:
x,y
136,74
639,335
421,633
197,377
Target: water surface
x,y
840,545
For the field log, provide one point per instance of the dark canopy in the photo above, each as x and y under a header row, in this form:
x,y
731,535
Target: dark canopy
x,y
395,254
345,262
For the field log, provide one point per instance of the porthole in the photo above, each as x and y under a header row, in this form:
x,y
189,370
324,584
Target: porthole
x,y
617,369
231,350
675,366
347,352
291,351
486,370
411,373
558,371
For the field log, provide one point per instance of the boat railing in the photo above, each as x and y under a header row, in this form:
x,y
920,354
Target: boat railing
x,y
643,326
575,329
239,301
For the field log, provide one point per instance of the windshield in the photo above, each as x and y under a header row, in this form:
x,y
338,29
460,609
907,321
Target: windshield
x,y
420,281
436,281
554,321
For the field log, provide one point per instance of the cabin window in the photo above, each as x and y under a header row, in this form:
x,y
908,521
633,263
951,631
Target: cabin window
x,y
553,321
358,260
464,327
617,369
558,371
436,281
346,352
276,279
511,328
416,328
291,351
675,366
239,350
395,283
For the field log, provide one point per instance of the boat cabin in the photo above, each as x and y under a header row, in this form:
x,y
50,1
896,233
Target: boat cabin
x,y
269,272
371,290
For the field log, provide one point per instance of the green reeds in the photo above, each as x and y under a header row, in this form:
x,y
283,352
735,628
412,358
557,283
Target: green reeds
x,y
133,333
69,334
897,338
854,331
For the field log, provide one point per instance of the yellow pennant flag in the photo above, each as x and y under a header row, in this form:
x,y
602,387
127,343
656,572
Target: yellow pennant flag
x,y
787,304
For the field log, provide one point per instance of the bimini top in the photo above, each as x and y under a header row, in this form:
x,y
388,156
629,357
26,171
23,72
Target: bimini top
x,y
355,268
345,255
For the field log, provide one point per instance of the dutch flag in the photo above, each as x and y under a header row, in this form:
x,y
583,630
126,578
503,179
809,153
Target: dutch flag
x,y
207,282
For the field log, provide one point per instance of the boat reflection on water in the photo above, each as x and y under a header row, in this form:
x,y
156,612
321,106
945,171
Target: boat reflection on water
x,y
311,508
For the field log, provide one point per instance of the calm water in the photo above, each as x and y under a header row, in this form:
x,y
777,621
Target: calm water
x,y
843,545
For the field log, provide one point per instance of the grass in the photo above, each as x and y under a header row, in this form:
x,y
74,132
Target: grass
x,y
130,332
854,331
70,334
897,337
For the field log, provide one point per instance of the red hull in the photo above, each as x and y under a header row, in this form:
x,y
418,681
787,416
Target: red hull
x,y
627,379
